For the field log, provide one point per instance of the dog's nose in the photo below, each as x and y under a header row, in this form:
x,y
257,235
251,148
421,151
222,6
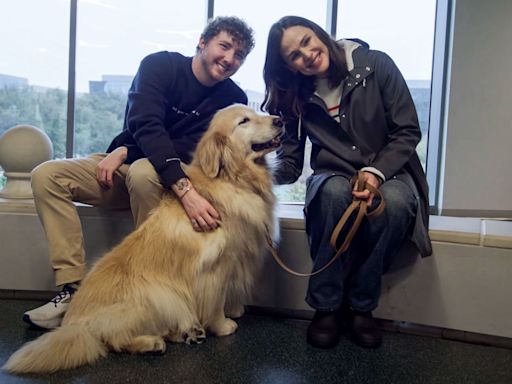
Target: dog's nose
x,y
278,122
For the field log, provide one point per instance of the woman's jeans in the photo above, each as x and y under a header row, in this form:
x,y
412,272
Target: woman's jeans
x,y
372,249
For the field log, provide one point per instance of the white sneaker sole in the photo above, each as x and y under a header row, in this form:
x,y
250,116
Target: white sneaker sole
x,y
44,324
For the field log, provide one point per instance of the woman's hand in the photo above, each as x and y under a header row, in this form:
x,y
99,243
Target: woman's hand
x,y
106,167
369,178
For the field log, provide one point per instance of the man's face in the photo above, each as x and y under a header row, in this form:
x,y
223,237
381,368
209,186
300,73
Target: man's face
x,y
220,57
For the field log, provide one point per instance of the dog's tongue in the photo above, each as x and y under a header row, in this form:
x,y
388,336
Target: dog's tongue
x,y
275,142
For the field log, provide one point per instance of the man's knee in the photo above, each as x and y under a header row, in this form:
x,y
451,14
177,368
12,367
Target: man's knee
x,y
142,178
42,175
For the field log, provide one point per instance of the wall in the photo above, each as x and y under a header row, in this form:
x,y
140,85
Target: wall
x,y
464,286
479,126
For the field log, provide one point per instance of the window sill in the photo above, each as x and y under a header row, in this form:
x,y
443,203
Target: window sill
x,y
460,230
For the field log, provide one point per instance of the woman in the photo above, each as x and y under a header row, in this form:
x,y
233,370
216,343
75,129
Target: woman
x,y
356,109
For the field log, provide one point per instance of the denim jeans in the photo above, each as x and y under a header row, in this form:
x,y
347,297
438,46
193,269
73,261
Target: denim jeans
x,y
373,246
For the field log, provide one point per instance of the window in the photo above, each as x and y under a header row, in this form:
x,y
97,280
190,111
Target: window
x,y
34,67
405,31
250,75
112,39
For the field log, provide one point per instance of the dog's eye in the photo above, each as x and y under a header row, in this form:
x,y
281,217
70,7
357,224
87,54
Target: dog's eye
x,y
244,120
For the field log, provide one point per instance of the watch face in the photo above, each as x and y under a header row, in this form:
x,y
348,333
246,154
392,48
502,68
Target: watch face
x,y
183,184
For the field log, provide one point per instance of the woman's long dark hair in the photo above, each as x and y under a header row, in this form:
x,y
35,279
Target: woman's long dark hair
x,y
286,92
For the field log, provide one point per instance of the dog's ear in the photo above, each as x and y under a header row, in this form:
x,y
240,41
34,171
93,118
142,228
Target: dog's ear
x,y
210,154
216,155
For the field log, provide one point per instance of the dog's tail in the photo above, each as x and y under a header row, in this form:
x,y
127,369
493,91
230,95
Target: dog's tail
x,y
69,346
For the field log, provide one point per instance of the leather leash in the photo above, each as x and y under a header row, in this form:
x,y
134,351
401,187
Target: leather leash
x,y
357,205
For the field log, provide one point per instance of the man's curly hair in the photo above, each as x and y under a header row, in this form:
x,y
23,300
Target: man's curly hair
x,y
234,26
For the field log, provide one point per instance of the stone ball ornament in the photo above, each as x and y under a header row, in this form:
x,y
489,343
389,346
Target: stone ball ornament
x,y
22,148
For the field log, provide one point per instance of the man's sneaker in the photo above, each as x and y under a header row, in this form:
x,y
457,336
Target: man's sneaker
x,y
50,315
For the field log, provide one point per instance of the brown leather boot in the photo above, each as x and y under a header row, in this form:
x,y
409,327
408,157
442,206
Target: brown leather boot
x,y
324,331
364,330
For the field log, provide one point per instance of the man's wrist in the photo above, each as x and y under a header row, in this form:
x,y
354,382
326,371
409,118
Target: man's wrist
x,y
182,187
123,152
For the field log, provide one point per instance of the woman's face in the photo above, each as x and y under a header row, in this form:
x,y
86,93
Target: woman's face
x,y
304,52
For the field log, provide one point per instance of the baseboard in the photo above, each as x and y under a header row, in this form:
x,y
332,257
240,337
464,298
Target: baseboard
x,y
399,327
386,325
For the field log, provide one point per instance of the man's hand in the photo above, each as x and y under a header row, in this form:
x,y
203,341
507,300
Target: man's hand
x,y
106,167
201,213
371,179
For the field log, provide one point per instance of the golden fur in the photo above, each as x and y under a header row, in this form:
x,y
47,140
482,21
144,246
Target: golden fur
x,y
166,281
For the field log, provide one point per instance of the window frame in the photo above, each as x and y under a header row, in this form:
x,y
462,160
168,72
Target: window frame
x,y
438,98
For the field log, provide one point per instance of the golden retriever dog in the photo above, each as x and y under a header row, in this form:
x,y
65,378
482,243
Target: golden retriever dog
x,y
165,281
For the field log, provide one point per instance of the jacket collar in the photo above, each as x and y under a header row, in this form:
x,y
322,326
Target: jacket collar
x,y
363,67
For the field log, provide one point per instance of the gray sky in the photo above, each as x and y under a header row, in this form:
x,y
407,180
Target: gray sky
x,y
114,35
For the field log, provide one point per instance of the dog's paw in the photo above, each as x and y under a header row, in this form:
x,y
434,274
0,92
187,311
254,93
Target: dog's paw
x,y
174,337
158,349
235,312
146,344
196,335
224,327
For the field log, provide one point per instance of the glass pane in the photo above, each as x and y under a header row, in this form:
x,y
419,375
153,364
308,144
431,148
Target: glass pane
x,y
34,36
112,39
405,31
250,75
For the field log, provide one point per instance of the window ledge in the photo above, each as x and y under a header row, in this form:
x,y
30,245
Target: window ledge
x,y
461,230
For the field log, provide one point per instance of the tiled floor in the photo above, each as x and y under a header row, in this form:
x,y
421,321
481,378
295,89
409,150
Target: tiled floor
x,y
273,350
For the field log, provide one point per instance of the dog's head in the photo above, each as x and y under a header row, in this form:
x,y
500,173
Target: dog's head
x,y
237,135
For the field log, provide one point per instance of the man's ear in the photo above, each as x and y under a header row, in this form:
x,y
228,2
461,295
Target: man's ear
x,y
201,44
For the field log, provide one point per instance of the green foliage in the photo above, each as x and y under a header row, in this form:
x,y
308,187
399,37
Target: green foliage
x,y
292,193
43,109
98,118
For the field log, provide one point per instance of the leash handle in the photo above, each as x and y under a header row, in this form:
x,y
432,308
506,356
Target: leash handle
x,y
360,205
358,182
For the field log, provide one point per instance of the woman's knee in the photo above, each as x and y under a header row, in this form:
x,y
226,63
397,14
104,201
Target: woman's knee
x,y
398,197
335,191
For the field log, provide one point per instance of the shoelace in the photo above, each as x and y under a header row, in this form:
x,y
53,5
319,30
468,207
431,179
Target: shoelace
x,y
62,295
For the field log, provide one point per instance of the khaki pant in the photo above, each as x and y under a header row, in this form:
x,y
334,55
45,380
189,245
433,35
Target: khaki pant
x,y
58,183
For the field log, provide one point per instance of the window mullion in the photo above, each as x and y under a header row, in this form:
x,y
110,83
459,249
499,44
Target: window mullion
x,y
70,133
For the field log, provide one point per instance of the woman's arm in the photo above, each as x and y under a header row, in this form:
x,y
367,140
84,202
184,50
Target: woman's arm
x,y
404,130
290,156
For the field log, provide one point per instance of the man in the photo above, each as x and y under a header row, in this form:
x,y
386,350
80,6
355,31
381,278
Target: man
x,y
170,103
